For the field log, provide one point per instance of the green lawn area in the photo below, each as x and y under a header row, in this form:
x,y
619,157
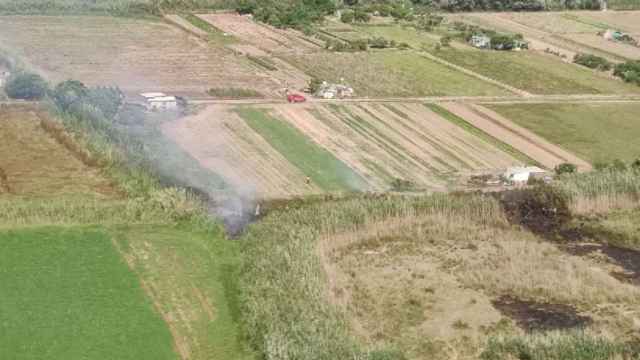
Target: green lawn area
x,y
393,73
68,294
324,169
409,35
192,271
535,73
596,132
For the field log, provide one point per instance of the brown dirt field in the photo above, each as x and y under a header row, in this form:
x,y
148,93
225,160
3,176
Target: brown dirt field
x,y
222,142
406,141
263,36
136,55
183,23
596,41
547,154
33,163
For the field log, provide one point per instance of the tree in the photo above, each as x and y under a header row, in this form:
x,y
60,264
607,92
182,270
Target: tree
x,y
635,165
26,86
347,16
565,168
68,93
445,41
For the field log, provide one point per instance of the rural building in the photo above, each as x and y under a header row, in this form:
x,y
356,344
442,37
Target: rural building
x,y
480,41
334,91
520,175
160,101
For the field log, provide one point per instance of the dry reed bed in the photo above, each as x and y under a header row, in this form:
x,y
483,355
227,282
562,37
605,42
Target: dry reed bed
x,y
354,268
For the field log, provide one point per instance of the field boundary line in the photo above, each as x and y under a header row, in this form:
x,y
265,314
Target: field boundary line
x,y
181,350
530,137
476,75
183,24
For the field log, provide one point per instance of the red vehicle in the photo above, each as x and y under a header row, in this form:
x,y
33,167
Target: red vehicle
x,y
296,98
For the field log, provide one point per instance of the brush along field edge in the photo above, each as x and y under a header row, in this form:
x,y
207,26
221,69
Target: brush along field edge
x,y
537,148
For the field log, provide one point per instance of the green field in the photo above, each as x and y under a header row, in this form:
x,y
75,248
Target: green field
x,y
596,132
392,73
534,73
324,169
68,294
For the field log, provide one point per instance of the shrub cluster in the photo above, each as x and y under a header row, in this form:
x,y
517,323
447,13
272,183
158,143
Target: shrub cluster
x,y
26,86
592,61
628,71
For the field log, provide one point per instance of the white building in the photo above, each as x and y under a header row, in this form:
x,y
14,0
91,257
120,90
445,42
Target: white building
x,y
520,174
159,101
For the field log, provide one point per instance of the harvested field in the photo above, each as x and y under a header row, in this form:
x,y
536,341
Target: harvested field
x,y
222,142
622,20
136,55
595,132
35,164
534,146
384,142
262,36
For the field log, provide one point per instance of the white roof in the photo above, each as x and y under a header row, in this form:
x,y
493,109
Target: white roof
x,y
152,95
523,170
162,99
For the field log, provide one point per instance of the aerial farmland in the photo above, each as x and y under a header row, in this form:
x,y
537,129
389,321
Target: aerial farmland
x,y
369,180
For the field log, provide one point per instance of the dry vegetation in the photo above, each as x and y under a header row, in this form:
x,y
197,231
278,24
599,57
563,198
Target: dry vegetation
x,y
136,55
35,163
422,275
221,141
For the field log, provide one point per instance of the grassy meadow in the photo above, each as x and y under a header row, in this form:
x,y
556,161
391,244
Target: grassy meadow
x,y
392,73
535,73
595,132
69,294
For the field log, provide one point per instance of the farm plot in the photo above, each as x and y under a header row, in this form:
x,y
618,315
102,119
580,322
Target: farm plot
x,y
262,36
626,21
535,147
221,141
35,163
596,132
569,27
67,294
384,142
536,73
393,73
136,55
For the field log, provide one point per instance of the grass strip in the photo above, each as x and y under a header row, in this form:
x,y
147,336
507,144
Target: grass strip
x,y
446,114
324,169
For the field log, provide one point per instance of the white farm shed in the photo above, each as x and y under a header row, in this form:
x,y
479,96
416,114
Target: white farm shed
x,y
160,101
521,174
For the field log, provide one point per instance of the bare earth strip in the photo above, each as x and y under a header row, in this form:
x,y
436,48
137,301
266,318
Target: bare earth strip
x,y
222,142
537,148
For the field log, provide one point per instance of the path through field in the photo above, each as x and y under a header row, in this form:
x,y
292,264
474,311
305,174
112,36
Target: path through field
x,y
537,148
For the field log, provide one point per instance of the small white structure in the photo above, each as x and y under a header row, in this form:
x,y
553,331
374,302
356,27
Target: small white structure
x,y
520,174
334,91
159,101
480,41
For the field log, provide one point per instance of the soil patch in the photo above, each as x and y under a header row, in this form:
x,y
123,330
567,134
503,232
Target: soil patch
x,y
627,259
533,316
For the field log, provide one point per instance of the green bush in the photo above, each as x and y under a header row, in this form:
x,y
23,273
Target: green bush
x,y
565,168
629,71
592,61
26,86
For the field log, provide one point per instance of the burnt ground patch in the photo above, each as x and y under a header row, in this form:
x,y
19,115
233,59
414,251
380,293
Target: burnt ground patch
x,y
627,259
534,316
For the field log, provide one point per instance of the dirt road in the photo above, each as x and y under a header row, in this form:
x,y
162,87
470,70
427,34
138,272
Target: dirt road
x,y
537,148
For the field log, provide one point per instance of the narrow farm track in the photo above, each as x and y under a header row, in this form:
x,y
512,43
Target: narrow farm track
x,y
537,148
475,74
